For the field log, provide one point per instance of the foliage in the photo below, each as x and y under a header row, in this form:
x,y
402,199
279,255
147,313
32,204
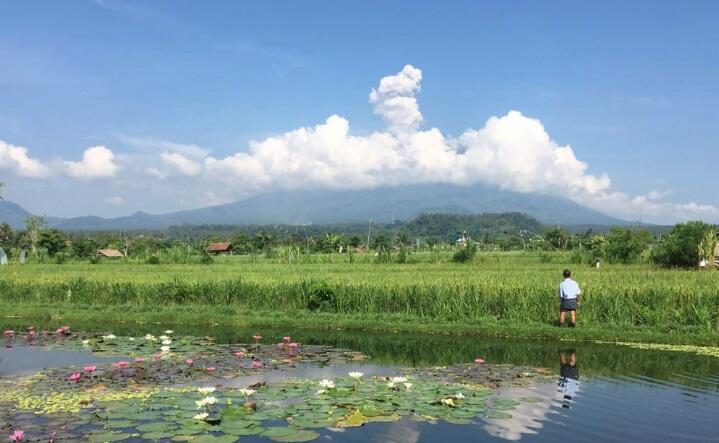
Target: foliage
x,y
678,248
708,247
52,240
465,254
626,245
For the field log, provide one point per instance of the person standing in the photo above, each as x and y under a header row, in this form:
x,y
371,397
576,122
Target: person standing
x,y
569,293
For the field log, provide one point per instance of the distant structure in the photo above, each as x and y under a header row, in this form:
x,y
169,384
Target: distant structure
x,y
219,248
109,253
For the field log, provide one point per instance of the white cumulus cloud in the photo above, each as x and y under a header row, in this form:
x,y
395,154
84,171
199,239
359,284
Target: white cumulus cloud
x,y
16,160
180,163
97,162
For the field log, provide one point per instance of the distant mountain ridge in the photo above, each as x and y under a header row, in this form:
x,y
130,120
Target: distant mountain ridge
x,y
384,204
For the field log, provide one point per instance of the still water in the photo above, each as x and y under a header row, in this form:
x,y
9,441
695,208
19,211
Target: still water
x,y
597,393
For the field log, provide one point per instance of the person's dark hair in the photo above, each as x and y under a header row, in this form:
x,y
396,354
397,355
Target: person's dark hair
x,y
567,273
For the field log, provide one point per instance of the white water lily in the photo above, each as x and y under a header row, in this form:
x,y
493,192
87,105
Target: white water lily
x,y
247,392
150,337
131,339
356,375
447,401
108,337
399,379
207,401
167,342
206,390
169,331
391,384
201,416
165,348
86,343
459,396
321,391
327,384
164,337
407,385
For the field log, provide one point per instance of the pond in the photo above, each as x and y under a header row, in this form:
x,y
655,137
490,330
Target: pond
x,y
130,382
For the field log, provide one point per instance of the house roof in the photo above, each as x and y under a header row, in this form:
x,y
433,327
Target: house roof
x,y
219,247
109,253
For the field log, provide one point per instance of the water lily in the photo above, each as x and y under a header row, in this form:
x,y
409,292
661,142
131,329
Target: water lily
x,y
459,396
327,384
150,337
210,369
157,356
479,360
17,435
167,342
257,338
75,377
9,333
90,369
169,332
247,392
407,385
139,360
131,338
391,384
240,354
201,416
109,337
286,339
86,343
398,380
321,391
121,364
63,330
189,362
206,390
257,364
164,337
165,348
447,401
356,375
207,401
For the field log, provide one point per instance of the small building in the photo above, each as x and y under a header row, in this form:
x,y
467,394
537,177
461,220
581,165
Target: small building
x,y
109,253
219,248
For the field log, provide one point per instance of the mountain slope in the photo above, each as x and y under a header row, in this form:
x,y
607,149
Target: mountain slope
x,y
13,214
381,204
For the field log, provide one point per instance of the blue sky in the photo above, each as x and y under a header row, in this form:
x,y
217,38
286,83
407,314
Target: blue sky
x,y
174,90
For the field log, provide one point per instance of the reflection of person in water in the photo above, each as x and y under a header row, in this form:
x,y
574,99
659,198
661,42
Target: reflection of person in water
x,y
568,377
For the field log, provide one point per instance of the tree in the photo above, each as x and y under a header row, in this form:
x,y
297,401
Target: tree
x,y
53,240
557,238
6,233
707,248
680,245
33,226
625,245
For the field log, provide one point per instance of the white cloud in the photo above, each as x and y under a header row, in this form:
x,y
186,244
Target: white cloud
x,y
114,200
180,163
513,152
16,160
98,162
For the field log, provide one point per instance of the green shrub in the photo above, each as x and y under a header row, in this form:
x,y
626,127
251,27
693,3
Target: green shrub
x,y
465,254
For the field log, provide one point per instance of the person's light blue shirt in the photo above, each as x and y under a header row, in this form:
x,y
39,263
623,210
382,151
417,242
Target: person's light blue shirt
x,y
569,289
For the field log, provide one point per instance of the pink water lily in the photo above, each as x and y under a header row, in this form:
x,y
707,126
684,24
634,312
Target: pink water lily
x,y
257,338
63,330
17,435
121,364
75,377
256,364
158,356
139,360
240,354
9,334
189,362
286,339
90,369
210,369
479,360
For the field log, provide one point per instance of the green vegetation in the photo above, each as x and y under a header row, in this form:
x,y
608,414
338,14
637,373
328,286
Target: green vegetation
x,y
506,293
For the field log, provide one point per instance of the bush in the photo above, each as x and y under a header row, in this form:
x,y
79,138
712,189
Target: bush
x,y
466,254
626,246
153,260
680,246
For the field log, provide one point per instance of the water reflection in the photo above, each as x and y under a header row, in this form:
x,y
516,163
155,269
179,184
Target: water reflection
x,y
568,378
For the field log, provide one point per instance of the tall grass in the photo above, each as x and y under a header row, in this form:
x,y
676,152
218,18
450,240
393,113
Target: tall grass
x,y
519,288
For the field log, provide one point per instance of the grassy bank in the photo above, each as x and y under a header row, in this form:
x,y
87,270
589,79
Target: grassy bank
x,y
498,294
